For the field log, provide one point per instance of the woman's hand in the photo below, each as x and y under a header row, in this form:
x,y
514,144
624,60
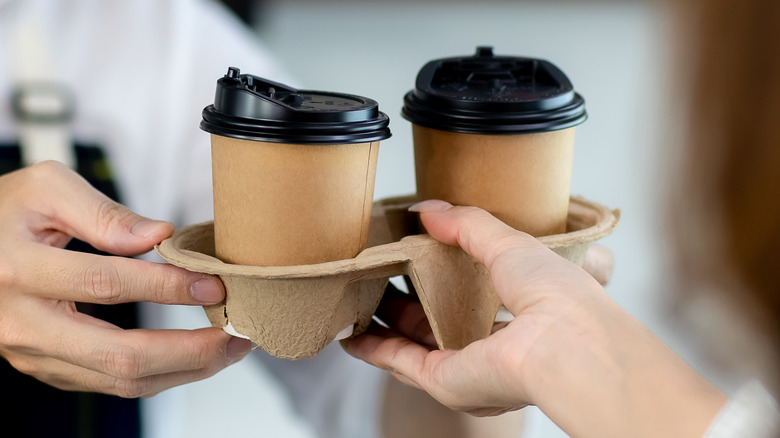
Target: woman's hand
x,y
41,332
534,285
570,349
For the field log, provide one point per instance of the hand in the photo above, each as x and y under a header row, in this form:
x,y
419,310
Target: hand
x,y
570,350
527,276
41,332
599,263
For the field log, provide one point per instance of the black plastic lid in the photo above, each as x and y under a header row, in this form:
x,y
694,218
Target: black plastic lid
x,y
488,94
253,108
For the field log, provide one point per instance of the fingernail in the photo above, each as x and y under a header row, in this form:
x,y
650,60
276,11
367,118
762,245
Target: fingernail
x,y
236,349
207,290
430,205
147,227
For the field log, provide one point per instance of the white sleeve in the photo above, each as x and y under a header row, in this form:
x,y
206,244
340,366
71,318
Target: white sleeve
x,y
219,40
752,412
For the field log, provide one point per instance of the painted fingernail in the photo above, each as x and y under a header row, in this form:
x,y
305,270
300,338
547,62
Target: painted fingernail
x,y
207,290
147,227
236,349
430,205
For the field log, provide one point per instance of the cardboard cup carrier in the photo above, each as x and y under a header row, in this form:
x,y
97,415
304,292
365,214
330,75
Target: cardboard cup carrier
x,y
293,186
496,132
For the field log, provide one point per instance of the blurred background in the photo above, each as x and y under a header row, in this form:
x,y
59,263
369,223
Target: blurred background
x,y
617,55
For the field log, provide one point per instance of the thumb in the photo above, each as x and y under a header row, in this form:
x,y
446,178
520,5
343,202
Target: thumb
x,y
81,211
473,229
520,265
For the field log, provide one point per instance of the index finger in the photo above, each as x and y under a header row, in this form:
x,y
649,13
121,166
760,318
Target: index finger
x,y
54,273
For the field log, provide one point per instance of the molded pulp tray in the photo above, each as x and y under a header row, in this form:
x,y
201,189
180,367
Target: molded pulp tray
x,y
295,311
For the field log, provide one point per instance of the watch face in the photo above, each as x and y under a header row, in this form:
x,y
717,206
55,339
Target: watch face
x,y
43,103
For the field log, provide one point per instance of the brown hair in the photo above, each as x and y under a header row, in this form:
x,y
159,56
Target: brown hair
x,y
733,160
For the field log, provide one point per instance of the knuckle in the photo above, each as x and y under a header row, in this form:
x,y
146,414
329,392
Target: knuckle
x,y
7,276
44,170
23,364
201,353
41,175
395,354
165,283
505,246
469,213
472,211
132,388
502,252
102,283
108,215
12,335
463,237
123,362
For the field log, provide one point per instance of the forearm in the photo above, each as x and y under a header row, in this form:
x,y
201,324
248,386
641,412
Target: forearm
x,y
613,378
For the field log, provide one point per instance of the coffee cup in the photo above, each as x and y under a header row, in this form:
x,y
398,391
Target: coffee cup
x,y
496,132
293,171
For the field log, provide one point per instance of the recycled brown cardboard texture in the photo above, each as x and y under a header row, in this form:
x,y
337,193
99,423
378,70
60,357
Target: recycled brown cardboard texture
x,y
295,311
522,179
278,204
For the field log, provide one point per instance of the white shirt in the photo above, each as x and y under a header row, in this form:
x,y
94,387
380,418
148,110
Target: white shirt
x,y
751,412
142,71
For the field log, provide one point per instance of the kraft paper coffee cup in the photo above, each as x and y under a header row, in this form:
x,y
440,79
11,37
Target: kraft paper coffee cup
x,y
496,132
293,171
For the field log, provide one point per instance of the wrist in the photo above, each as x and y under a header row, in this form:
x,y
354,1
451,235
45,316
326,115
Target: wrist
x,y
607,375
